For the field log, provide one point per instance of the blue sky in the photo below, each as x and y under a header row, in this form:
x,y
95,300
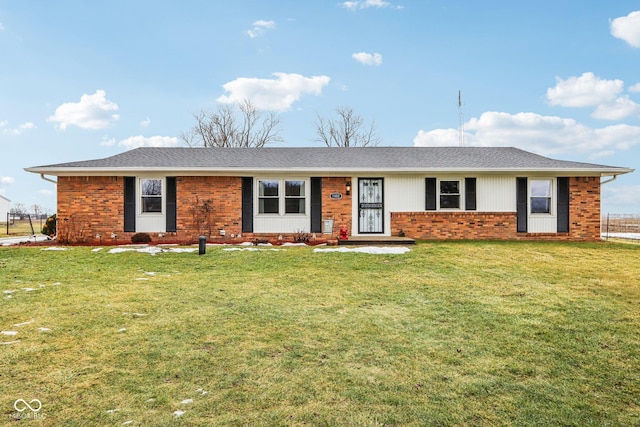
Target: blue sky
x,y
83,79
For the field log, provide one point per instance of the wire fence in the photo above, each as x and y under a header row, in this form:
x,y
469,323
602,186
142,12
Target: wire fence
x,y
620,226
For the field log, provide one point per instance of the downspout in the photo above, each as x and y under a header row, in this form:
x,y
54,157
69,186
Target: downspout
x,y
613,178
48,179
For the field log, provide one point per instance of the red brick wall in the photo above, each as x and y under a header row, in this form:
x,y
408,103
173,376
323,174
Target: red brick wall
x,y
584,208
88,206
222,193
337,210
454,225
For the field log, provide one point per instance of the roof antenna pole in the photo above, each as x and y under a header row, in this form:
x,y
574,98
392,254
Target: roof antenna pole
x,y
460,120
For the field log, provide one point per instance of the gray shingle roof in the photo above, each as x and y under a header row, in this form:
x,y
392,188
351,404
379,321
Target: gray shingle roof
x,y
325,159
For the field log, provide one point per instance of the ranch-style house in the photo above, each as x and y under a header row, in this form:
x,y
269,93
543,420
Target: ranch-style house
x,y
249,193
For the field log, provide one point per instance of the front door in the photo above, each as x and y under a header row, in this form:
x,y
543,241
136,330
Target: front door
x,y
370,205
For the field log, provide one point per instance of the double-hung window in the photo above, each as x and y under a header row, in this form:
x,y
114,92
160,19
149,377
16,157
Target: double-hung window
x,y
450,194
294,197
269,196
282,196
151,195
540,198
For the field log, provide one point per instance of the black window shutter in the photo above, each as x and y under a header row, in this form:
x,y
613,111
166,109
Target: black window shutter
x,y
316,205
430,194
247,204
130,204
470,194
521,204
171,204
563,205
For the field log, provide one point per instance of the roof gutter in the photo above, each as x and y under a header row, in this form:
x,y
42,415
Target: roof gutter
x,y
48,179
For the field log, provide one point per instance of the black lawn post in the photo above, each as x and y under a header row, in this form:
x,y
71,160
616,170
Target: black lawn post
x,y
202,245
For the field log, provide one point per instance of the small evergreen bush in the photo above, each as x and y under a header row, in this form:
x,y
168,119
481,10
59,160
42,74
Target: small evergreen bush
x,y
49,227
141,238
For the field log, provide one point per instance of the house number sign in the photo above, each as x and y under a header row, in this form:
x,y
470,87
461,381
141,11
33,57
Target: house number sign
x,y
335,196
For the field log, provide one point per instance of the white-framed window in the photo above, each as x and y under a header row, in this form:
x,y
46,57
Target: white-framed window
x,y
541,195
268,196
449,191
282,196
151,195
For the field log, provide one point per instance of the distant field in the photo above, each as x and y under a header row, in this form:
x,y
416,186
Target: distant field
x,y
449,334
20,228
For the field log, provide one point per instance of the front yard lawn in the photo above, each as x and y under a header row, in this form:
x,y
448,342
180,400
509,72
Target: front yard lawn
x,y
468,333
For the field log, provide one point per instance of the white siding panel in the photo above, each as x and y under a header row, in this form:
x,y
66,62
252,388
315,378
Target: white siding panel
x,y
151,223
281,224
404,193
496,194
542,224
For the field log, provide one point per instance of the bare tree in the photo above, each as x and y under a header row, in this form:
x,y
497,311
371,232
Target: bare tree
x,y
243,125
19,210
346,130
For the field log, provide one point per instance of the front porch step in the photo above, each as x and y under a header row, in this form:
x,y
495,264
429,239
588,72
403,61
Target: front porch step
x,y
376,241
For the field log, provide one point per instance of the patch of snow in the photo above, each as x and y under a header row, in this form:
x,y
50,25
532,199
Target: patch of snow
x,y
142,278
294,244
44,329
9,291
54,248
178,413
111,411
202,391
150,273
9,333
9,342
56,284
630,236
126,423
29,289
10,241
17,325
376,250
122,330
152,250
138,314
96,249
186,401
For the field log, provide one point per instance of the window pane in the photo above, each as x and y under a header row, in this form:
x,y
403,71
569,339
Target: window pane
x,y
151,187
449,202
152,204
541,188
294,188
268,188
269,206
450,187
294,206
540,205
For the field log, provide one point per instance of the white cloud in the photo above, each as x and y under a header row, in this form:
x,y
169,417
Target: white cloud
x,y
546,135
7,180
259,28
588,90
618,109
17,130
146,122
368,58
107,141
272,94
364,4
635,88
152,141
627,28
92,112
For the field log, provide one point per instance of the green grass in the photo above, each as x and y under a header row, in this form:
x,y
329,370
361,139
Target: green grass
x,y
448,334
20,228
